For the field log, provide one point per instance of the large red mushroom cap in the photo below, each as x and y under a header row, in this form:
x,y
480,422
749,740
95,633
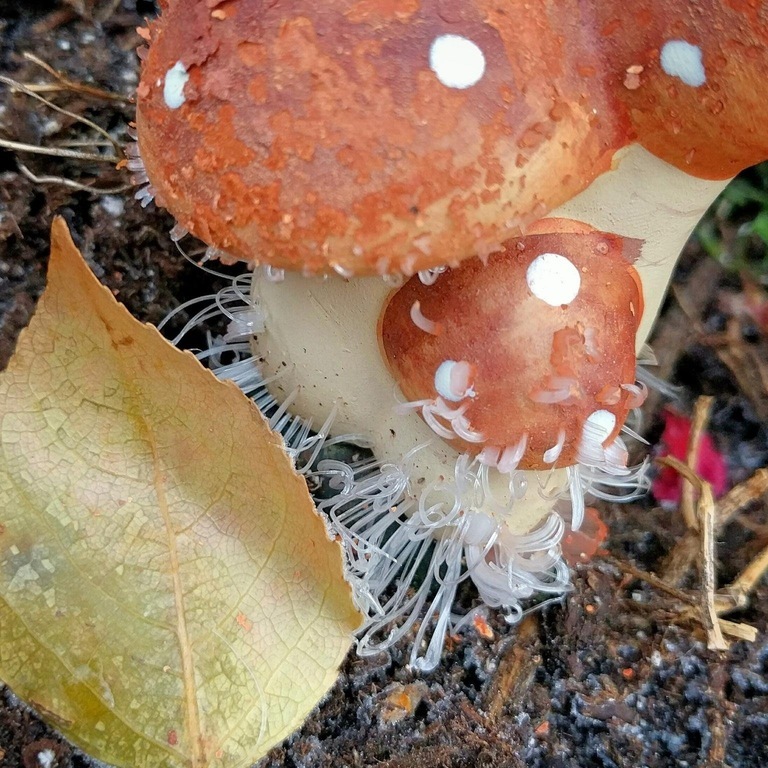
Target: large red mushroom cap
x,y
374,135
377,136
528,361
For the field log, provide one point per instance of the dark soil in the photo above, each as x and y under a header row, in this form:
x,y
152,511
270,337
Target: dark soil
x,y
613,676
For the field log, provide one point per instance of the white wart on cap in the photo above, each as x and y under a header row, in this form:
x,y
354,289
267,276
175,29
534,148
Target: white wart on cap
x,y
554,279
456,61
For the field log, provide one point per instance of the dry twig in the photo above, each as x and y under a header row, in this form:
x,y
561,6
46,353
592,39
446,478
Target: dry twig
x,y
27,90
692,611
705,512
70,183
57,152
684,552
741,587
741,495
65,84
650,578
699,421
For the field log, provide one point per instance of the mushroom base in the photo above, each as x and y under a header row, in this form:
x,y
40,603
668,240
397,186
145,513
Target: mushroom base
x,y
422,517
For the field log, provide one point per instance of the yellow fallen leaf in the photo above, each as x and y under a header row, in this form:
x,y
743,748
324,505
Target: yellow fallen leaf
x,y
168,594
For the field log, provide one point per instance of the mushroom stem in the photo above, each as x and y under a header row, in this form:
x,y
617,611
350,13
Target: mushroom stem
x,y
646,198
326,330
325,333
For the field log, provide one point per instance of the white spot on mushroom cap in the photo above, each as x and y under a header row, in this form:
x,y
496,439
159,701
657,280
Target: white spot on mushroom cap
x,y
683,60
600,423
554,279
443,379
457,61
173,89
452,380
597,427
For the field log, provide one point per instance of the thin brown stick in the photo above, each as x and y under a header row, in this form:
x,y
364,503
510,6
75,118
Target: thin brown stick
x,y
706,515
52,21
58,152
730,628
70,85
739,496
682,556
69,143
738,630
692,612
741,587
681,468
650,578
699,421
70,183
16,86
715,757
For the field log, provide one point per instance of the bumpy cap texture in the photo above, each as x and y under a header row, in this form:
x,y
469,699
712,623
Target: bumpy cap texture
x,y
377,136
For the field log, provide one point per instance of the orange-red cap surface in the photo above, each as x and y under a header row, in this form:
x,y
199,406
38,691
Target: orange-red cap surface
x,y
546,331
395,135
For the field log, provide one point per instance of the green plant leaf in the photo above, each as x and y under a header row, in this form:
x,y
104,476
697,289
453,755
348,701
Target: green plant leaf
x,y
168,593
760,226
740,192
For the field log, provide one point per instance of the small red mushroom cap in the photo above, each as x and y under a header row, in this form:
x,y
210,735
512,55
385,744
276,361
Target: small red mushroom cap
x,y
528,361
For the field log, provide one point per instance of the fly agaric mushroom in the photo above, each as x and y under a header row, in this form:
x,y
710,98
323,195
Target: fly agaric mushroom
x,y
523,371
396,136
259,128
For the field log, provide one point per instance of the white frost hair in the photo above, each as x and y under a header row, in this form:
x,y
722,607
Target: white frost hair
x,y
424,323
145,193
409,546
